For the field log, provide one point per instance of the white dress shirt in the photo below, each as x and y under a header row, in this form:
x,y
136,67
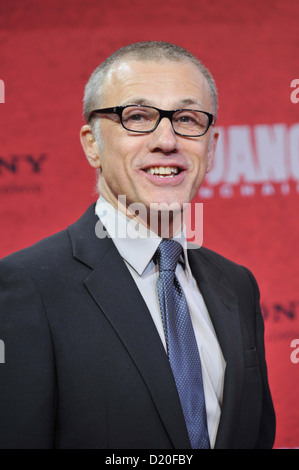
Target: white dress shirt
x,y
137,245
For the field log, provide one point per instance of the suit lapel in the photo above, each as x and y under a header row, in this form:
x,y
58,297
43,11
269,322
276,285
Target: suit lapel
x,y
223,310
115,292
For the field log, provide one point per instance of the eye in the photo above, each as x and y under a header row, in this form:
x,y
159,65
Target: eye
x,y
186,118
190,119
139,116
136,115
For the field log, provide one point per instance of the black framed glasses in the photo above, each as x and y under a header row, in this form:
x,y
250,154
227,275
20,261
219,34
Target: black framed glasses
x,y
144,119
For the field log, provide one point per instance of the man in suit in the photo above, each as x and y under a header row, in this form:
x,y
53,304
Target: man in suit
x,y
89,363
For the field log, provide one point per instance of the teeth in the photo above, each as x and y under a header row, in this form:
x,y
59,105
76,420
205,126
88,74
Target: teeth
x,y
163,170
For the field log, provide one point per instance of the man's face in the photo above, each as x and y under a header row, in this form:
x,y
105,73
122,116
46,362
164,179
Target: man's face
x,y
125,158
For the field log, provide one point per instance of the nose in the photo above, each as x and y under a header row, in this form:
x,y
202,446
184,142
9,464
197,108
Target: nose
x,y
163,138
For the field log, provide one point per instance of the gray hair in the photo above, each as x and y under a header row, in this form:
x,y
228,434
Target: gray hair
x,y
142,51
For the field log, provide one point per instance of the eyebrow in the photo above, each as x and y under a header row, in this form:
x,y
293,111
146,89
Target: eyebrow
x,y
191,101
180,104
137,100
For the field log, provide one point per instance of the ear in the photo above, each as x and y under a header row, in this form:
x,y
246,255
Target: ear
x,y
90,146
212,149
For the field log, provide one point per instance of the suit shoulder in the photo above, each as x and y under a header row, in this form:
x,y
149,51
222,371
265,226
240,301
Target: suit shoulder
x,y
216,263
49,261
50,249
217,259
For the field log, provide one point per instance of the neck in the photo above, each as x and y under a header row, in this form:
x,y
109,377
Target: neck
x,y
164,220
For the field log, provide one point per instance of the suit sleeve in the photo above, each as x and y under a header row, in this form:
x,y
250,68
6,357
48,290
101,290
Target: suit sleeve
x,y
27,375
266,435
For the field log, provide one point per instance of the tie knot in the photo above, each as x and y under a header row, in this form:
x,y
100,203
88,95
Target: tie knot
x,y
167,255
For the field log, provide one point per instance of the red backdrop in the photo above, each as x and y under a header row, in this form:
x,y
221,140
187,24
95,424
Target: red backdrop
x,y
48,50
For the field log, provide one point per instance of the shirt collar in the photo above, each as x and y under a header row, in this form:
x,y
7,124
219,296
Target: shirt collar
x,y
135,242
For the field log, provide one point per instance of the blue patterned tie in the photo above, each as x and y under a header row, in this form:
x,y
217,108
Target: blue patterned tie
x,y
181,344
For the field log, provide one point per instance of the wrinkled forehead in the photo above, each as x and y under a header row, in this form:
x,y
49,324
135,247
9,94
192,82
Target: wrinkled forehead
x,y
153,81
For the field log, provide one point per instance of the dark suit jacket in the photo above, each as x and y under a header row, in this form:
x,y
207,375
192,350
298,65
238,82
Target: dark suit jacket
x,y
84,364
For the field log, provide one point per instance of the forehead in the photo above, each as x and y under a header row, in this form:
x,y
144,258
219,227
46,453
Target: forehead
x,y
163,83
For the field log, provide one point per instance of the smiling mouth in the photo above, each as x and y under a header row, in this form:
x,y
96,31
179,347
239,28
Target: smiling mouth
x,y
163,171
